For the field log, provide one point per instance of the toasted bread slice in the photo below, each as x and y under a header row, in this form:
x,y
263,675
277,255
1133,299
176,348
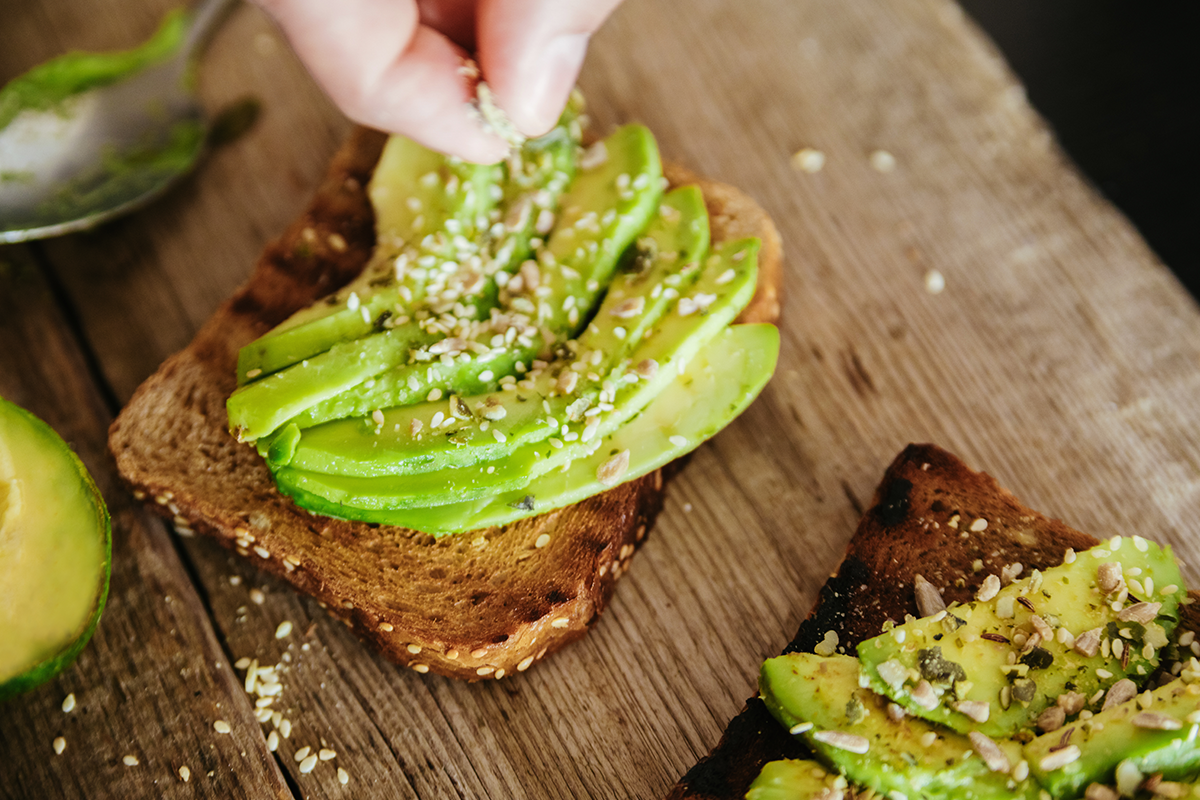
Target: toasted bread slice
x,y
922,520
478,605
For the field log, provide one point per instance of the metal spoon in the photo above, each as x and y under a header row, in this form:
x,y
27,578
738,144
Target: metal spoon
x,y
107,150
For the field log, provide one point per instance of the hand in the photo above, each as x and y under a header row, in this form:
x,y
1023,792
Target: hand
x,y
397,65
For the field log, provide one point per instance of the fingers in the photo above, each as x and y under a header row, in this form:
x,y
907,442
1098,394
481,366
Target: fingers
x,y
531,51
386,70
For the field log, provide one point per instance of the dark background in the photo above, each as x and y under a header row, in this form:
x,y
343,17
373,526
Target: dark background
x,y
1118,83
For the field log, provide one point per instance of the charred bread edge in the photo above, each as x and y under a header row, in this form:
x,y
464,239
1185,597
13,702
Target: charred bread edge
x,y
906,531
170,443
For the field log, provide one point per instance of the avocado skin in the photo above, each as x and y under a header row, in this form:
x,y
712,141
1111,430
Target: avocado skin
x,y
803,687
42,671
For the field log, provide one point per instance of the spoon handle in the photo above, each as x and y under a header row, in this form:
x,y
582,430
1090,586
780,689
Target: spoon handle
x,y
205,18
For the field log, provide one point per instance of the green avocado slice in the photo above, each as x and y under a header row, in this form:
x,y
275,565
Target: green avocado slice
x,y
794,779
398,445
55,551
718,384
1156,733
671,348
819,699
584,244
572,432
973,668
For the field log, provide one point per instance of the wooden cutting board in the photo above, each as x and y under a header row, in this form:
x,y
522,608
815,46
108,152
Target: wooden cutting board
x,y
1059,356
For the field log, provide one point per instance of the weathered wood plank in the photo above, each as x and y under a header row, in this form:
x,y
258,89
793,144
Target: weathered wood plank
x,y
154,679
1060,357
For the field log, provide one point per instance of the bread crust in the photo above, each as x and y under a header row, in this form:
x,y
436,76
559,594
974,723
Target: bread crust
x,y
919,522
475,606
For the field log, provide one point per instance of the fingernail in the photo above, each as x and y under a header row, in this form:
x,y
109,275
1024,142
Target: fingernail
x,y
545,82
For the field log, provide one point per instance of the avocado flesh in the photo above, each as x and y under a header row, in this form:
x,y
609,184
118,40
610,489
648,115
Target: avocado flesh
x,y
586,257
55,546
1068,598
720,382
908,756
793,779
672,347
1111,737
677,339
363,447
425,221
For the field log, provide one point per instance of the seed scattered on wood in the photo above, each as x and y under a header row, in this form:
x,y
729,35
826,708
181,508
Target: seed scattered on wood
x,y
221,726
308,764
130,761
185,774
60,744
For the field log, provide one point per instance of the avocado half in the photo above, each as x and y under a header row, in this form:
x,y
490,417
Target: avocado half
x,y
55,552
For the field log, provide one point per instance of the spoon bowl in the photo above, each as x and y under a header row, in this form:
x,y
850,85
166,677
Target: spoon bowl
x,y
106,150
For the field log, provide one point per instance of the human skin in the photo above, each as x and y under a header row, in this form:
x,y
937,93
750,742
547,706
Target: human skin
x,y
397,65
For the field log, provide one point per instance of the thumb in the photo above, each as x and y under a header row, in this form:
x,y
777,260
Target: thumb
x,y
530,52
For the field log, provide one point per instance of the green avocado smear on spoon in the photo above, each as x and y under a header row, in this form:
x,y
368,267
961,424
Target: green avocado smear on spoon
x,y
526,335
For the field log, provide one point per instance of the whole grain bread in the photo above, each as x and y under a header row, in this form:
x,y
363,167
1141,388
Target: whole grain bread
x,y
922,520
474,606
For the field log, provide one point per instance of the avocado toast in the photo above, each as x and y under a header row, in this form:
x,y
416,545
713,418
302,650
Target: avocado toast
x,y
477,605
924,521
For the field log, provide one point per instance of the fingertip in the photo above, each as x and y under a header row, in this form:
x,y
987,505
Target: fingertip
x,y
537,89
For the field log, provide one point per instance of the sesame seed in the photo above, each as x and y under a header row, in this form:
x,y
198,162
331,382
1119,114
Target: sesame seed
x,y
60,744
678,441
308,764
377,416
241,663
326,754
285,728
542,541
421,668
979,525
499,437
525,663
130,761
808,159
284,629
221,726
800,727
434,395
935,282
343,776
882,161
68,703
414,649
485,670
185,774
253,373
561,622
262,552
302,753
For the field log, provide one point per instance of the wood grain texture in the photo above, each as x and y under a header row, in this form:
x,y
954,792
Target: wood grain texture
x,y
154,679
1061,358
